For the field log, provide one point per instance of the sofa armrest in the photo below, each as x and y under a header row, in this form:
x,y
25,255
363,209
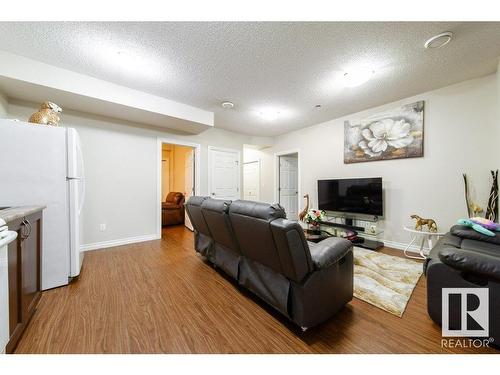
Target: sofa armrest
x,y
480,264
329,251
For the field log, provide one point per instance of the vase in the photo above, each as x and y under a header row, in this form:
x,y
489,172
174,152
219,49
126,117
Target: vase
x,y
314,228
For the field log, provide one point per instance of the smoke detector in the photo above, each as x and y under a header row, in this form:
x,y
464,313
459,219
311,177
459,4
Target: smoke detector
x,y
438,41
227,105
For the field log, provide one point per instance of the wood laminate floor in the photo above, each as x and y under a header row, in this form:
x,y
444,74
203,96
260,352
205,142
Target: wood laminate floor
x,y
159,297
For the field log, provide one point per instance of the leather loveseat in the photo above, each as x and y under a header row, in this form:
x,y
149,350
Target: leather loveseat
x,y
464,258
267,254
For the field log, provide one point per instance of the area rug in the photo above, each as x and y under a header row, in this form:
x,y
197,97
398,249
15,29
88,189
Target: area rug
x,y
385,281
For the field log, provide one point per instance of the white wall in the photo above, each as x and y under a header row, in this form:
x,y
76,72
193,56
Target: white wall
x,y
121,161
459,126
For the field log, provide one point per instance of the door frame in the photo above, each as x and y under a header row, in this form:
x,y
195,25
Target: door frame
x,y
216,148
260,177
277,176
197,168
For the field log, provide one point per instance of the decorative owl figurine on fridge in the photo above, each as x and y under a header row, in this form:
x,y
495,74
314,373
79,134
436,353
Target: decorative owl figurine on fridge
x,y
47,114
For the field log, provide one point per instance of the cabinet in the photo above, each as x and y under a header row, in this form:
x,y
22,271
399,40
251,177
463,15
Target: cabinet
x,y
24,255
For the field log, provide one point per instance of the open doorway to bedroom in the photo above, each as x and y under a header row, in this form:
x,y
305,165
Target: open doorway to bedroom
x,y
288,182
178,180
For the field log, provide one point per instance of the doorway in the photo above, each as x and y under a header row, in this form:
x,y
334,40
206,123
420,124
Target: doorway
x,y
287,191
178,177
251,180
224,173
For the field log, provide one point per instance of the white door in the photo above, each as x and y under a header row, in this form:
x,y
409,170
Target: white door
x,y
189,183
224,173
251,181
288,185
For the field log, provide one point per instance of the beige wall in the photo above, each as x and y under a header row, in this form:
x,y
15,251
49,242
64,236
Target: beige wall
x,y
459,123
121,165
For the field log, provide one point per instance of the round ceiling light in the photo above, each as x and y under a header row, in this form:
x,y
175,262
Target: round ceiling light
x,y
357,77
269,114
438,41
227,105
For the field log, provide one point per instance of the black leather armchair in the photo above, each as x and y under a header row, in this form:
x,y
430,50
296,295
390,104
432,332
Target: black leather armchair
x,y
267,254
464,258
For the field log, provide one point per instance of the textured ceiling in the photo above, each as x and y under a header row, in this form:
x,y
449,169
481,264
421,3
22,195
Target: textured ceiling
x,y
288,66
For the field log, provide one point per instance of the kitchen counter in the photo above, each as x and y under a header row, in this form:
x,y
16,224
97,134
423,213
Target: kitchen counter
x,y
13,213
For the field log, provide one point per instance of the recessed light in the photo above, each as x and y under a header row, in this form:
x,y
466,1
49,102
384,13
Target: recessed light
x,y
227,105
357,77
438,41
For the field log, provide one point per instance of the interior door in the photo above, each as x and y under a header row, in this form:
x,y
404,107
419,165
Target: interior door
x,y
251,181
224,173
189,183
165,174
288,185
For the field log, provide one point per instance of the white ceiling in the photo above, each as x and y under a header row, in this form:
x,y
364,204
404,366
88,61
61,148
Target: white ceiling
x,y
288,66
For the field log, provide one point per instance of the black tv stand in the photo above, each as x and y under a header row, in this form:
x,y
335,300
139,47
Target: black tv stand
x,y
346,225
357,241
349,222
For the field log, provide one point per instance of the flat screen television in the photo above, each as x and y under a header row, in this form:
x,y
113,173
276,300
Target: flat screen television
x,y
351,196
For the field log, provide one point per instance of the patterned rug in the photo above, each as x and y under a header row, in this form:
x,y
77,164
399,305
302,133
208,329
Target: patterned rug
x,y
385,281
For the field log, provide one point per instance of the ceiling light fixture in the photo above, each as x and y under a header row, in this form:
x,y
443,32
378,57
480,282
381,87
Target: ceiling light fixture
x,y
269,114
357,77
438,41
227,105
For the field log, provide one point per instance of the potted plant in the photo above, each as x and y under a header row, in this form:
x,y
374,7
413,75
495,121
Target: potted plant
x,y
314,218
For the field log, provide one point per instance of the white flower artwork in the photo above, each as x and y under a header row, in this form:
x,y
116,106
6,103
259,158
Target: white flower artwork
x,y
394,134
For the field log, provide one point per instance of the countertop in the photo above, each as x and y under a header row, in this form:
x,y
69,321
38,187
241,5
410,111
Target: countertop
x,y
13,213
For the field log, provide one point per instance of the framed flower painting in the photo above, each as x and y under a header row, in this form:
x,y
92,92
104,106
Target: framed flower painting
x,y
394,134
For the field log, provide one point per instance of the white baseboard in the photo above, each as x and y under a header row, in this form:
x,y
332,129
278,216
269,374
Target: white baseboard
x,y
119,242
402,246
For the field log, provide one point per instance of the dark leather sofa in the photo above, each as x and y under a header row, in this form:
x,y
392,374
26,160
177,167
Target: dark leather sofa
x,y
172,210
464,258
267,254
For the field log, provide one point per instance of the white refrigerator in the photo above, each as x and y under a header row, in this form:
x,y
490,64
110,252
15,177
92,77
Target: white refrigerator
x,y
43,165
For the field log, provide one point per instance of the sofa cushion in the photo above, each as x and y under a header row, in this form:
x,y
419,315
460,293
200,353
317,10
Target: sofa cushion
x,y
194,212
470,234
251,222
481,264
292,247
215,212
481,247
